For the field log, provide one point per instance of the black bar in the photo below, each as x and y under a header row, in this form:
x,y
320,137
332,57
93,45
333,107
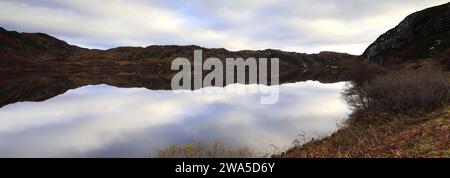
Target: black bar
x,y
281,167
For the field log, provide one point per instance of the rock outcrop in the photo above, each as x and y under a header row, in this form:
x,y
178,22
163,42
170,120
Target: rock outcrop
x,y
421,35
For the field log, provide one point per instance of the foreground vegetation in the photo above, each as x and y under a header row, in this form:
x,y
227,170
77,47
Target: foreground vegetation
x,y
403,136
214,149
403,113
399,114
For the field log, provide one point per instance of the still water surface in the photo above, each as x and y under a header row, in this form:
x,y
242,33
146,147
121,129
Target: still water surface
x,y
106,121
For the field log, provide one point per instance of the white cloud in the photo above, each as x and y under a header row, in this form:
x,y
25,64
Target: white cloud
x,y
303,26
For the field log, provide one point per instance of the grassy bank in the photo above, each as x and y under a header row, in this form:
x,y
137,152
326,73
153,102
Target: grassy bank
x,y
399,114
404,136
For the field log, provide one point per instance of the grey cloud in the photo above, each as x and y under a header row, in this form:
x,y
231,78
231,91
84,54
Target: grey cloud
x,y
303,25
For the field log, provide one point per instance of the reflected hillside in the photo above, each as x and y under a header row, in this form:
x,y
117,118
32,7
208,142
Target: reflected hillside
x,y
36,66
39,86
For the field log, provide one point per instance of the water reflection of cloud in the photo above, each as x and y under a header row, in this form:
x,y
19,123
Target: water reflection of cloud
x,y
101,120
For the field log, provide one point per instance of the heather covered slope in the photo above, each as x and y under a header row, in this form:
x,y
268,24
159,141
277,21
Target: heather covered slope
x,y
427,136
35,51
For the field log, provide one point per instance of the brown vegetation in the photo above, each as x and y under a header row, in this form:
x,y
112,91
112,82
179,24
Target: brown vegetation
x,y
400,92
399,114
215,149
404,136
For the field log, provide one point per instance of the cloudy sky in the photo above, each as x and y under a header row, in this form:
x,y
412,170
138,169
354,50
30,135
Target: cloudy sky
x,y
294,25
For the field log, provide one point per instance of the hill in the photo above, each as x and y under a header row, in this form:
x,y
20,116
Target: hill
x,y
38,51
388,118
421,35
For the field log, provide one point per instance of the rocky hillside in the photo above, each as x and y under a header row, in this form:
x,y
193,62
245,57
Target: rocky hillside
x,y
23,50
421,35
34,45
423,38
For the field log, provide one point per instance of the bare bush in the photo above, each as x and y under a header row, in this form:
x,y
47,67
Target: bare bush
x,y
362,72
401,92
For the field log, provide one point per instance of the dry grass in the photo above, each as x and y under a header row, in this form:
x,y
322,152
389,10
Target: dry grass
x,y
215,149
427,136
